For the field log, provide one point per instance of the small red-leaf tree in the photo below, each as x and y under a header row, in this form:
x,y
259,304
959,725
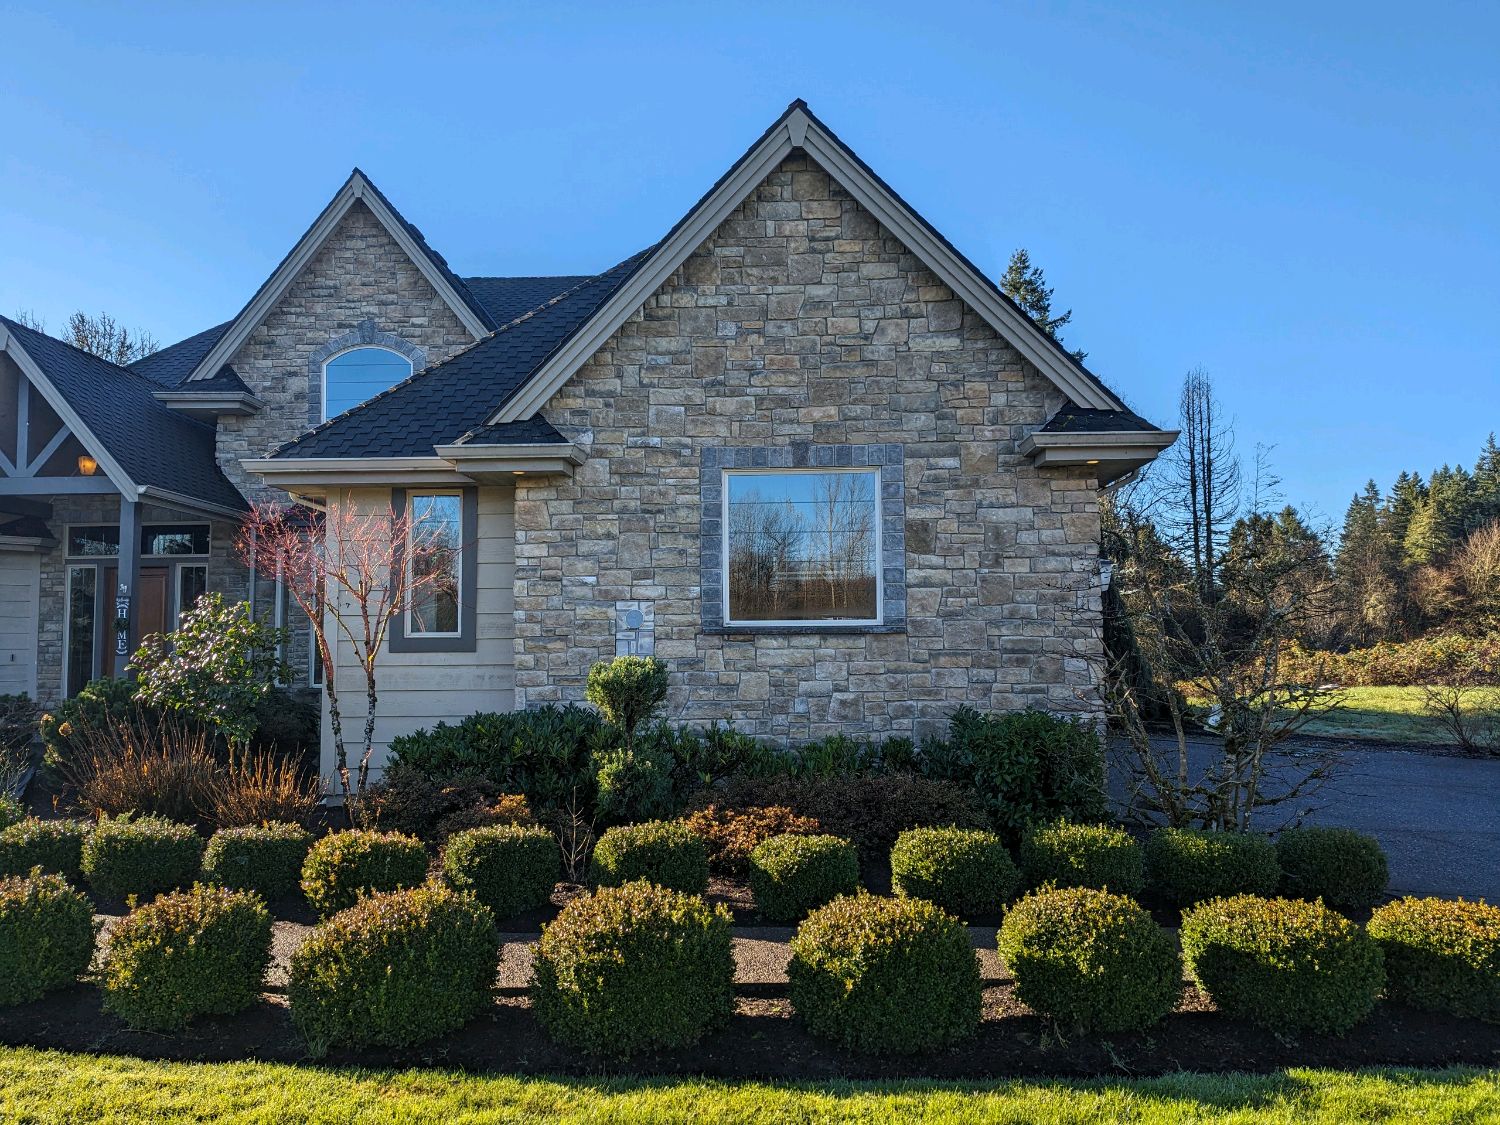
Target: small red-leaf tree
x,y
349,568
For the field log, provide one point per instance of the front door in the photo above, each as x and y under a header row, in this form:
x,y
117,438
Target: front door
x,y
149,604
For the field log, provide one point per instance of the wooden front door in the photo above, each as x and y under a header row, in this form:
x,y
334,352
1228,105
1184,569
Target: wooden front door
x,y
151,606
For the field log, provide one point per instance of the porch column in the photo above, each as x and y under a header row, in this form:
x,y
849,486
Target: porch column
x,y
123,597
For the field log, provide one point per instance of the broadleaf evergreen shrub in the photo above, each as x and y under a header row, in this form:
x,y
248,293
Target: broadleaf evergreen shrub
x,y
1101,856
508,868
97,704
343,866
966,871
1441,955
1190,865
732,834
192,953
1090,960
141,856
266,859
628,690
885,975
56,846
1344,868
1283,964
634,968
11,811
47,932
396,968
665,852
791,875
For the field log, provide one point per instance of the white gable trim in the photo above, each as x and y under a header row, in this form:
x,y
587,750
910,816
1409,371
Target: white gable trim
x,y
112,470
357,190
800,130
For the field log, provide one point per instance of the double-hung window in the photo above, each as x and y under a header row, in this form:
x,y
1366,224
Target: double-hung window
x,y
802,546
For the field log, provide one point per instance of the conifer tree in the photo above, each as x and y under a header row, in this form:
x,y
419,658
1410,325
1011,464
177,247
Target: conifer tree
x,y
1026,285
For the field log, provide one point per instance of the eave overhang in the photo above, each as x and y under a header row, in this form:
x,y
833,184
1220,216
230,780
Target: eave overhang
x,y
451,465
1112,454
216,403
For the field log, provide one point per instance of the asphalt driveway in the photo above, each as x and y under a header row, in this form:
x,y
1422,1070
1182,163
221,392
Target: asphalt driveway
x,y
1437,817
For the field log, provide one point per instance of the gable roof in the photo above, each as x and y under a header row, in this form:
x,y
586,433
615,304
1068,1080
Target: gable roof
x,y
356,189
142,446
448,403
171,365
799,129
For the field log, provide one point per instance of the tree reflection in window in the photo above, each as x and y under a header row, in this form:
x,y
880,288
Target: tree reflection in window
x,y
802,546
433,553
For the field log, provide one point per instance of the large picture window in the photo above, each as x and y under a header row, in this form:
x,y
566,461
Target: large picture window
x,y
433,558
802,546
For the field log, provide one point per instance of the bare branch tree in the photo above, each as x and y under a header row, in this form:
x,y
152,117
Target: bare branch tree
x,y
1202,474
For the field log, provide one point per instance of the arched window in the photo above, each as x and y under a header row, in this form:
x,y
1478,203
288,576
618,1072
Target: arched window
x,y
359,374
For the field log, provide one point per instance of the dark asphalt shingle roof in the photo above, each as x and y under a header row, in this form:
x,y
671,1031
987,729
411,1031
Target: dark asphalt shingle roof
x,y
171,365
449,402
1086,420
154,446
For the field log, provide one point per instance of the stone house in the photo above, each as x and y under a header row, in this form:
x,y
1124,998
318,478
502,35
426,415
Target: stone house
x,y
800,448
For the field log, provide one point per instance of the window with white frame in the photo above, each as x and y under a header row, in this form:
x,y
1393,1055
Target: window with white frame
x,y
434,541
358,375
802,546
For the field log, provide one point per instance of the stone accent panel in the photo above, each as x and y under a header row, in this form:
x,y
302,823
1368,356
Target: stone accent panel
x,y
359,277
802,323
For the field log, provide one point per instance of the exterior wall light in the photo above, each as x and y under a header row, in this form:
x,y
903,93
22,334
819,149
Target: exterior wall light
x,y
87,465
1095,461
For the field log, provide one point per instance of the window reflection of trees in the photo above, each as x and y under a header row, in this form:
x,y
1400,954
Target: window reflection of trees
x,y
802,547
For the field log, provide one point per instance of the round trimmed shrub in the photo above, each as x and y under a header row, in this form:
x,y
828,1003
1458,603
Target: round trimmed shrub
x,y
141,856
56,846
790,875
664,852
1344,868
1100,856
342,866
202,952
396,968
47,932
507,867
1090,960
894,975
1441,955
1283,964
266,858
966,871
634,968
1191,865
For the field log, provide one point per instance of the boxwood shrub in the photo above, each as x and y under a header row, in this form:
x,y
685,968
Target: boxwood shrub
x,y
1344,868
1441,955
342,866
507,867
1090,960
1100,856
664,852
141,856
965,871
1281,963
1190,865
732,834
396,968
202,952
790,875
47,933
56,846
266,858
634,968
876,974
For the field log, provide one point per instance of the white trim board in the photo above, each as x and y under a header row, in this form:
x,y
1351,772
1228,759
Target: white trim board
x,y
357,189
800,130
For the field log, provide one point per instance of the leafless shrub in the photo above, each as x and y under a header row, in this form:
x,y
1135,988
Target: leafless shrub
x,y
260,786
1464,710
144,764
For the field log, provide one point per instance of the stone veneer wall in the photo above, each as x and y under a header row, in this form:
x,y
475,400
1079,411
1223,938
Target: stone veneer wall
x,y
360,275
801,320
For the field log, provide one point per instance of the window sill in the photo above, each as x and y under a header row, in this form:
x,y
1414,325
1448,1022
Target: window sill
x,y
810,627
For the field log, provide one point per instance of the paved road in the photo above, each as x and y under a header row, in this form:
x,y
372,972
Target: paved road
x,y
1438,818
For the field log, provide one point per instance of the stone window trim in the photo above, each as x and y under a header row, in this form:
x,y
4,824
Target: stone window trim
x,y
888,457
364,334
467,639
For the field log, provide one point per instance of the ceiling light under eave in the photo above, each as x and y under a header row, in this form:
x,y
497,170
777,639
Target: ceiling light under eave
x,y
1095,461
518,472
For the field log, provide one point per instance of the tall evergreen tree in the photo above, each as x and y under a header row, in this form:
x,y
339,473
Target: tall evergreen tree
x,y
1026,285
1366,570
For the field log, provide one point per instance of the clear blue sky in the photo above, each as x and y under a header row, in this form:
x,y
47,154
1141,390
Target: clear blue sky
x,y
1303,198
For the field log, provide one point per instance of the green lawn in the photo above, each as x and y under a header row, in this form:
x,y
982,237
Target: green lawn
x,y
1388,714
49,1086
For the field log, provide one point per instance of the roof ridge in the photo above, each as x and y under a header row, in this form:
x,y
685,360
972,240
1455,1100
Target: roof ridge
x,y
549,303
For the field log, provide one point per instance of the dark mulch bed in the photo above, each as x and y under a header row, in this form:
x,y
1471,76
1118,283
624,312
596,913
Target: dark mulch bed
x,y
764,1041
